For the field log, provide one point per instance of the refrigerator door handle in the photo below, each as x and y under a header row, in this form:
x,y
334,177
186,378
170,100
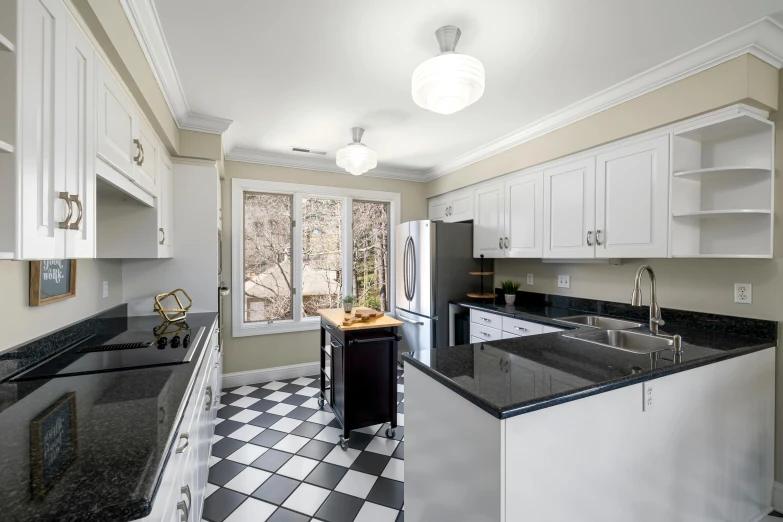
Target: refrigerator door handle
x,y
406,320
405,268
413,269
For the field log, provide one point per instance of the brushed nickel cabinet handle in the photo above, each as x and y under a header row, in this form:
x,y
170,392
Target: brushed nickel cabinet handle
x,y
78,223
137,157
67,198
597,237
208,405
589,233
500,242
186,438
505,242
184,510
163,238
141,162
185,490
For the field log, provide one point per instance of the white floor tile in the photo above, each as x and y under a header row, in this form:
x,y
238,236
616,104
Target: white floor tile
x,y
382,445
342,457
252,510
395,470
281,409
286,425
321,417
297,467
291,443
245,416
220,406
247,454
248,480
311,403
306,499
303,381
274,385
213,460
211,488
218,421
244,390
330,435
356,484
401,388
370,430
308,391
375,513
246,432
245,402
216,438
277,396
400,419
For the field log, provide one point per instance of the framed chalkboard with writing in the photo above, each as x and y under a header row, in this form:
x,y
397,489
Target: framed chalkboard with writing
x,y
52,281
52,444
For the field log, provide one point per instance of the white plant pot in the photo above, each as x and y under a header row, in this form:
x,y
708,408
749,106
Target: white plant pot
x,y
510,298
347,307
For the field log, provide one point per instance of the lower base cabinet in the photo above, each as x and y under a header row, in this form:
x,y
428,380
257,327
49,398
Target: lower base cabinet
x,y
182,489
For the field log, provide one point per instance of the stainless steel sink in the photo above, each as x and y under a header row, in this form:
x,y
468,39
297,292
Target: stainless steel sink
x,y
596,321
633,342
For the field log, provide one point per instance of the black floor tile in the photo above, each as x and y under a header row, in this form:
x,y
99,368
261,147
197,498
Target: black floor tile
x,y
401,380
359,440
400,396
291,388
283,515
339,508
227,412
227,427
276,489
223,471
263,405
388,493
316,449
401,517
265,420
229,398
371,463
225,447
326,475
401,407
296,400
334,423
260,393
268,438
301,413
271,460
308,429
399,453
220,504
776,514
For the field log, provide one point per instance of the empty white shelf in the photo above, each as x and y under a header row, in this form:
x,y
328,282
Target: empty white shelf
x,y
6,147
700,174
5,44
719,213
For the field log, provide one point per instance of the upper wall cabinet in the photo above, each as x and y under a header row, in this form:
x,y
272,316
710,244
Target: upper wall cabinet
x,y
569,210
488,221
524,216
632,200
454,207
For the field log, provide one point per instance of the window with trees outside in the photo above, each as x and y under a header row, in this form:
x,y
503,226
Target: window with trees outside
x,y
299,248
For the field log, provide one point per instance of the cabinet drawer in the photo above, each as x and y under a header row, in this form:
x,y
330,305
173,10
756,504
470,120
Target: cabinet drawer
x,y
486,319
506,335
474,340
484,332
520,327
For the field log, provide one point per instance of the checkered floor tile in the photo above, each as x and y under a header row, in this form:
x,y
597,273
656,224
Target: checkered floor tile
x,y
275,457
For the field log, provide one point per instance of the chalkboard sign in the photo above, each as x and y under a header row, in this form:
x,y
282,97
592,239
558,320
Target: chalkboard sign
x,y
52,281
52,444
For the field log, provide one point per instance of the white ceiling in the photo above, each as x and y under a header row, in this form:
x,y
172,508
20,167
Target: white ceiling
x,y
299,74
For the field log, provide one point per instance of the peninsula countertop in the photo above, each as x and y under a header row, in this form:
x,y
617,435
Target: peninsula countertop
x,y
126,423
549,369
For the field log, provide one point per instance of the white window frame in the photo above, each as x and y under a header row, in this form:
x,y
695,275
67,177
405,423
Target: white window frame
x,y
297,191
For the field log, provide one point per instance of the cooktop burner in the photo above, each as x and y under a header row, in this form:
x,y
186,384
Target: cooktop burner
x,y
141,345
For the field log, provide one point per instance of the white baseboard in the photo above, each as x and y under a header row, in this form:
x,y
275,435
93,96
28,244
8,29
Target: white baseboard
x,y
270,374
777,496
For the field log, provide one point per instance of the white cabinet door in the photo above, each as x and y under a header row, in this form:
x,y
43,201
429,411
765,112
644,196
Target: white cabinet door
x,y
80,142
148,164
117,125
460,207
43,206
569,210
524,220
488,226
437,209
165,203
632,200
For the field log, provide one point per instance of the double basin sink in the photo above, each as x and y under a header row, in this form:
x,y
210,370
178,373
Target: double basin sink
x,y
613,333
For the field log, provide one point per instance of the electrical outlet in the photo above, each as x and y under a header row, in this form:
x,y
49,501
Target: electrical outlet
x,y
530,279
105,289
743,293
564,281
648,403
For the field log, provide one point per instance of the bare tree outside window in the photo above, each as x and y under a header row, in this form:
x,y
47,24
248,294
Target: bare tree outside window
x,y
371,254
322,265
268,294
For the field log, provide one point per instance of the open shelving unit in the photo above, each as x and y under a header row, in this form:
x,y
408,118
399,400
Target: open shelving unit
x,y
722,188
482,273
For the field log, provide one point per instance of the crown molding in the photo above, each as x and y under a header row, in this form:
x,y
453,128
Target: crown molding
x,y
144,21
320,164
762,38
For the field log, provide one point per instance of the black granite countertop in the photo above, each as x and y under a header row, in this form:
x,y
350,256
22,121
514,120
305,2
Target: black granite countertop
x,y
126,422
515,376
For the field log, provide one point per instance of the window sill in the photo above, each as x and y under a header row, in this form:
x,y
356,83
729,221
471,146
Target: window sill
x,y
246,330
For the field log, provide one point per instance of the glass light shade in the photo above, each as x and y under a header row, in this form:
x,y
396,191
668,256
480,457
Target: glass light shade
x,y
357,159
448,83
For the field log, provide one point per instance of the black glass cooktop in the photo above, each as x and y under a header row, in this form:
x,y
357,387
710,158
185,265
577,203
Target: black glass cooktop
x,y
142,342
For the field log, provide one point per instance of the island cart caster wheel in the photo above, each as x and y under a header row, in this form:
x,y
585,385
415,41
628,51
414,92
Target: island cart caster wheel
x,y
390,433
343,444
320,402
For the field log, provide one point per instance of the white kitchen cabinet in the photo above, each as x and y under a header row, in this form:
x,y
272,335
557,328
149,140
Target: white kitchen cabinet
x,y
524,216
456,207
165,206
117,125
632,200
488,221
569,210
437,209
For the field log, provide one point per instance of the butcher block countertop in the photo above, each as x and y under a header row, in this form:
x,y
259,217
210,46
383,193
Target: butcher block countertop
x,y
336,316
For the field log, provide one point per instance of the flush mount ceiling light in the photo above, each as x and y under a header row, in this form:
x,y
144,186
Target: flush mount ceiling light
x,y
448,82
356,158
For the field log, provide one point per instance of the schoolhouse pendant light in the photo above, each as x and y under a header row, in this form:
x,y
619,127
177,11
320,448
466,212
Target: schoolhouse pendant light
x,y
356,158
448,82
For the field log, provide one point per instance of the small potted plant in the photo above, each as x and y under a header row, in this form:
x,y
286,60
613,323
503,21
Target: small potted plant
x,y
510,290
348,302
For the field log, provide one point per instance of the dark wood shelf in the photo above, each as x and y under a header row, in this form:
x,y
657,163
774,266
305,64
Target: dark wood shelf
x,y
481,296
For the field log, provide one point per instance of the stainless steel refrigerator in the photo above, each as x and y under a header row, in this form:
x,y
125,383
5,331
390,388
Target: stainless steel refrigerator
x,y
432,262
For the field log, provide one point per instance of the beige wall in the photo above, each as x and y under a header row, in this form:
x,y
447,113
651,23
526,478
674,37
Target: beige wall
x,y
743,79
269,351
20,322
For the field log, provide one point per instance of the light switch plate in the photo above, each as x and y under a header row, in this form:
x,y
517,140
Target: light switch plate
x,y
530,279
648,403
564,281
105,289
